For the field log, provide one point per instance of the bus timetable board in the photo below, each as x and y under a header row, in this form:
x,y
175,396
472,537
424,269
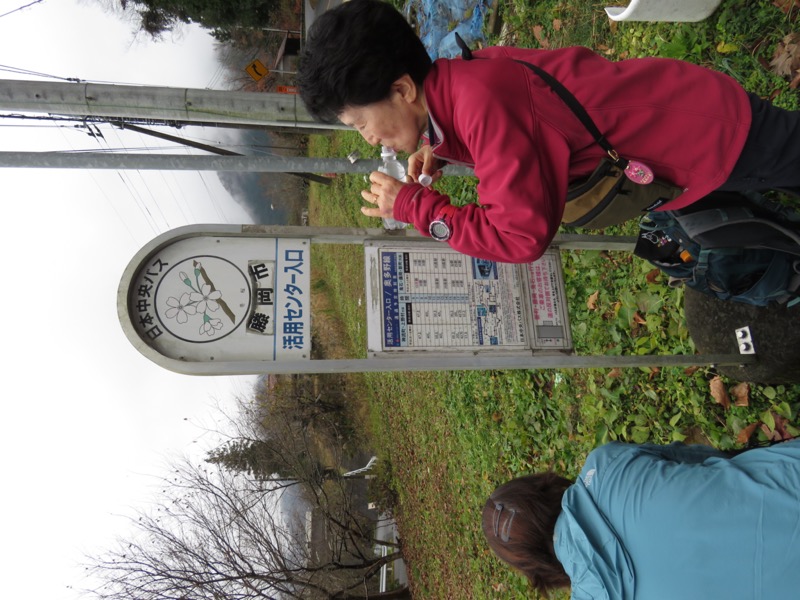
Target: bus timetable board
x,y
438,300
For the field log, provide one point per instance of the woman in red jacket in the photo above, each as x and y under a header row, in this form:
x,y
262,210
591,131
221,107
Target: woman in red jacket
x,y
693,127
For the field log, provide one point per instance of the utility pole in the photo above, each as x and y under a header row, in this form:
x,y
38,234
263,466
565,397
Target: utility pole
x,y
180,162
114,102
208,148
185,105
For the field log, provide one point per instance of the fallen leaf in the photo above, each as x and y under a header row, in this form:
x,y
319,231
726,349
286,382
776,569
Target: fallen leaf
x,y
605,255
781,63
539,35
726,47
652,275
773,435
741,394
591,303
615,372
719,393
690,370
786,5
780,427
746,433
637,318
557,24
786,59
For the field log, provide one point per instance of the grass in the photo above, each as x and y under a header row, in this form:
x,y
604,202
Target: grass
x,y
448,438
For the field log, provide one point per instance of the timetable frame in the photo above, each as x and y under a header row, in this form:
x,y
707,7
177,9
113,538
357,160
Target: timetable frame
x,y
435,300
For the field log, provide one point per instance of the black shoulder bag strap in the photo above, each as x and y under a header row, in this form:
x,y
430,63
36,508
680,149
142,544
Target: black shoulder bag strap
x,y
570,100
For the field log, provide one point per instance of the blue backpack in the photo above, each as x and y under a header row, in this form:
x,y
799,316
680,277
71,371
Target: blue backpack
x,y
739,247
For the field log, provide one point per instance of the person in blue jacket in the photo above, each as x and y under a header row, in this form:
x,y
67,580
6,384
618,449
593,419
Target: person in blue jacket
x,y
657,522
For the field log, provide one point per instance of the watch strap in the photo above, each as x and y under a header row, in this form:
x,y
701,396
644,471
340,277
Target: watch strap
x,y
447,211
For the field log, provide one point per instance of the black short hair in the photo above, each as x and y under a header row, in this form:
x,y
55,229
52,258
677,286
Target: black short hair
x,y
518,521
354,53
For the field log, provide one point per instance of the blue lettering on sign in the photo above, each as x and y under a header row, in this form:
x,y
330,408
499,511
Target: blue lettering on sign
x,y
391,301
293,330
484,269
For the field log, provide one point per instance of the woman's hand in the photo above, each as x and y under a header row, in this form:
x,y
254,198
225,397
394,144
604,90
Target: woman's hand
x,y
381,194
424,162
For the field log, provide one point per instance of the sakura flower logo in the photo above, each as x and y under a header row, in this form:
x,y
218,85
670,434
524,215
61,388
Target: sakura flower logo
x,y
200,302
180,310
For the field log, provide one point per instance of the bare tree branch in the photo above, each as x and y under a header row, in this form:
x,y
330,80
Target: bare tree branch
x,y
220,529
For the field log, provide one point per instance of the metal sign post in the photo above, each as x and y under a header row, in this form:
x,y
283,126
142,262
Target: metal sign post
x,y
235,300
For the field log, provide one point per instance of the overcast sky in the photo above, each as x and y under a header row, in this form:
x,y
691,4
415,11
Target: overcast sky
x,y
86,419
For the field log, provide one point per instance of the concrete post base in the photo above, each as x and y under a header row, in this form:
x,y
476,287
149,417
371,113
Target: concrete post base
x,y
776,336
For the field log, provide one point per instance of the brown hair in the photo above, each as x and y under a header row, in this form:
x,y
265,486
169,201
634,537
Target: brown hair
x,y
519,520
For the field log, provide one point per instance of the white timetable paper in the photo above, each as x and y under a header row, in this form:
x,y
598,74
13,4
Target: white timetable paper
x,y
439,299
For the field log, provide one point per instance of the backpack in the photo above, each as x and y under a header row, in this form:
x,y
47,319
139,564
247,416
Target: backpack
x,y
741,247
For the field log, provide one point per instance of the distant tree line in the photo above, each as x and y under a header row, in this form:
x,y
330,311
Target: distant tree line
x,y
222,17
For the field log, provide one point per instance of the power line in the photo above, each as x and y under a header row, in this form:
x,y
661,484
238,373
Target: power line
x,y
143,180
19,71
111,203
126,180
168,186
211,197
20,8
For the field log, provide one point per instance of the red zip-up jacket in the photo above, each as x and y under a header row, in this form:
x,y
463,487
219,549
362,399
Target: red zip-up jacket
x,y
688,123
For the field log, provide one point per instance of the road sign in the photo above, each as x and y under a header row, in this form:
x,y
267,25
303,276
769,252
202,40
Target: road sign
x,y
257,70
235,299
208,296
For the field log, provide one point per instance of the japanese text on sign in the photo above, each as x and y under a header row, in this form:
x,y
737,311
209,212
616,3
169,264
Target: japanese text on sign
x,y
145,293
294,325
449,300
248,300
438,300
262,318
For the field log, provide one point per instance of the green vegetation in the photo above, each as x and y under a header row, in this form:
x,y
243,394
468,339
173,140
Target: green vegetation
x,y
224,18
448,438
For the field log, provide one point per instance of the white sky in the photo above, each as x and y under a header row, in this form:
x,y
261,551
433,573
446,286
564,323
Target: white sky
x,y
86,420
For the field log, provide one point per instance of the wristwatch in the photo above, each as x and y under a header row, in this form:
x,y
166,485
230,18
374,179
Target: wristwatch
x,y
440,227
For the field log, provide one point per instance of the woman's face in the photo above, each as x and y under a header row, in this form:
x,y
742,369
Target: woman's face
x,y
397,122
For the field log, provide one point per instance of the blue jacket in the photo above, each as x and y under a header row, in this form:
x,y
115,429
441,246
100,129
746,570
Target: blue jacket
x,y
683,522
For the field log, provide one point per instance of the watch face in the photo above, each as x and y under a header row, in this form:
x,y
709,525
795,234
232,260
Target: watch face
x,y
439,231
